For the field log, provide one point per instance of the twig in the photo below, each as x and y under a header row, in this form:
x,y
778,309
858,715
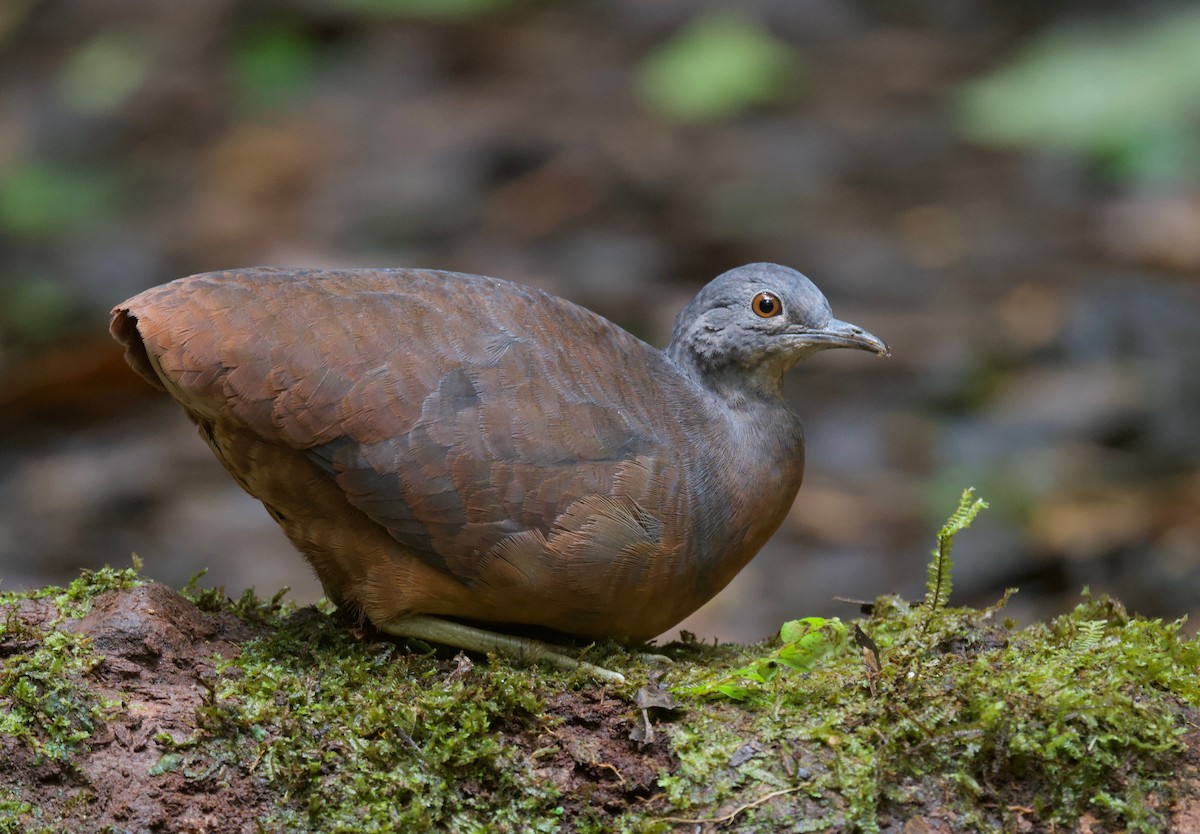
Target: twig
x,y
729,817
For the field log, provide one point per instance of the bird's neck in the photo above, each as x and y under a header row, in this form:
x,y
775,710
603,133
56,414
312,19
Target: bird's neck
x,y
737,385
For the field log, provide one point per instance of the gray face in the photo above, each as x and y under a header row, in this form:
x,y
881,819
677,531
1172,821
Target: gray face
x,y
750,325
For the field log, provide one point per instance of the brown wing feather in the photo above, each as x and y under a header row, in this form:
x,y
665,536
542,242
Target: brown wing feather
x,y
480,422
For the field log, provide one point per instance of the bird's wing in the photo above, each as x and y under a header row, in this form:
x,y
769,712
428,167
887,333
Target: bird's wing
x,y
472,418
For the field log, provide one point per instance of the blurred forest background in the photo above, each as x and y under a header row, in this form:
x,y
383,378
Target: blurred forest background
x,y
1008,192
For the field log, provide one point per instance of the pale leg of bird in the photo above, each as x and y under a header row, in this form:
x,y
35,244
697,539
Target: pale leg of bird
x,y
446,632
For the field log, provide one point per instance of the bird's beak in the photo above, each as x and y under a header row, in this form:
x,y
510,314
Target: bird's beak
x,y
842,334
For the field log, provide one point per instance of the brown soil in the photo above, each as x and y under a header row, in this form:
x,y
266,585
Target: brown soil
x,y
596,763
157,648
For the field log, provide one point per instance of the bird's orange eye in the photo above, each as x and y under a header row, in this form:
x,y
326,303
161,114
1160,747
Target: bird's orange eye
x,y
767,305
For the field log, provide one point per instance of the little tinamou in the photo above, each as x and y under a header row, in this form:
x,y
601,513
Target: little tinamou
x,y
441,445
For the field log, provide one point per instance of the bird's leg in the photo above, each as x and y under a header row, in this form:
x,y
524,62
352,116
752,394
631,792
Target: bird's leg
x,y
449,633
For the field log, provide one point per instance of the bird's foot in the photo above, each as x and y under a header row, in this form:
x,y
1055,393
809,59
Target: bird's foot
x,y
655,659
460,636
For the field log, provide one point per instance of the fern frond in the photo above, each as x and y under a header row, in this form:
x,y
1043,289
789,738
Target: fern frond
x,y
1091,634
939,581
962,517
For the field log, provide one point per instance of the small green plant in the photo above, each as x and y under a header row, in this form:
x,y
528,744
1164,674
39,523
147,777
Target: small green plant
x,y
805,642
808,641
940,581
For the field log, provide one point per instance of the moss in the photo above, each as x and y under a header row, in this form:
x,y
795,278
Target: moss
x,y
18,816
950,710
364,737
75,600
43,701
1081,715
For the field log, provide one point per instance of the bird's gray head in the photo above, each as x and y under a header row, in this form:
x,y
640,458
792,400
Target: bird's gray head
x,y
752,324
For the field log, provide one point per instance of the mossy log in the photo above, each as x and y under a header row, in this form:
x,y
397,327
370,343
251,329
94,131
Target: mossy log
x,y
128,706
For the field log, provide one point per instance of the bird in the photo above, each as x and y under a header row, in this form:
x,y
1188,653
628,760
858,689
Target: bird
x,y
459,456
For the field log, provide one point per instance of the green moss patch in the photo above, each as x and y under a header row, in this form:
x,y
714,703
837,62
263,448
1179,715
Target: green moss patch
x,y
955,717
369,738
973,725
42,704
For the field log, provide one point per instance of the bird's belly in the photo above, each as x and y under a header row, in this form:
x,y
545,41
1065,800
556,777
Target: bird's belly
x,y
593,600
607,569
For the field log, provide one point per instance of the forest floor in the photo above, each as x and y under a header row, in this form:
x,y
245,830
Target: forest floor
x,y
128,706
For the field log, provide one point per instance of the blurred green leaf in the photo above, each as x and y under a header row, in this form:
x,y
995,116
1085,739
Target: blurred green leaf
x,y
430,9
717,67
36,310
272,64
40,200
1127,95
106,71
